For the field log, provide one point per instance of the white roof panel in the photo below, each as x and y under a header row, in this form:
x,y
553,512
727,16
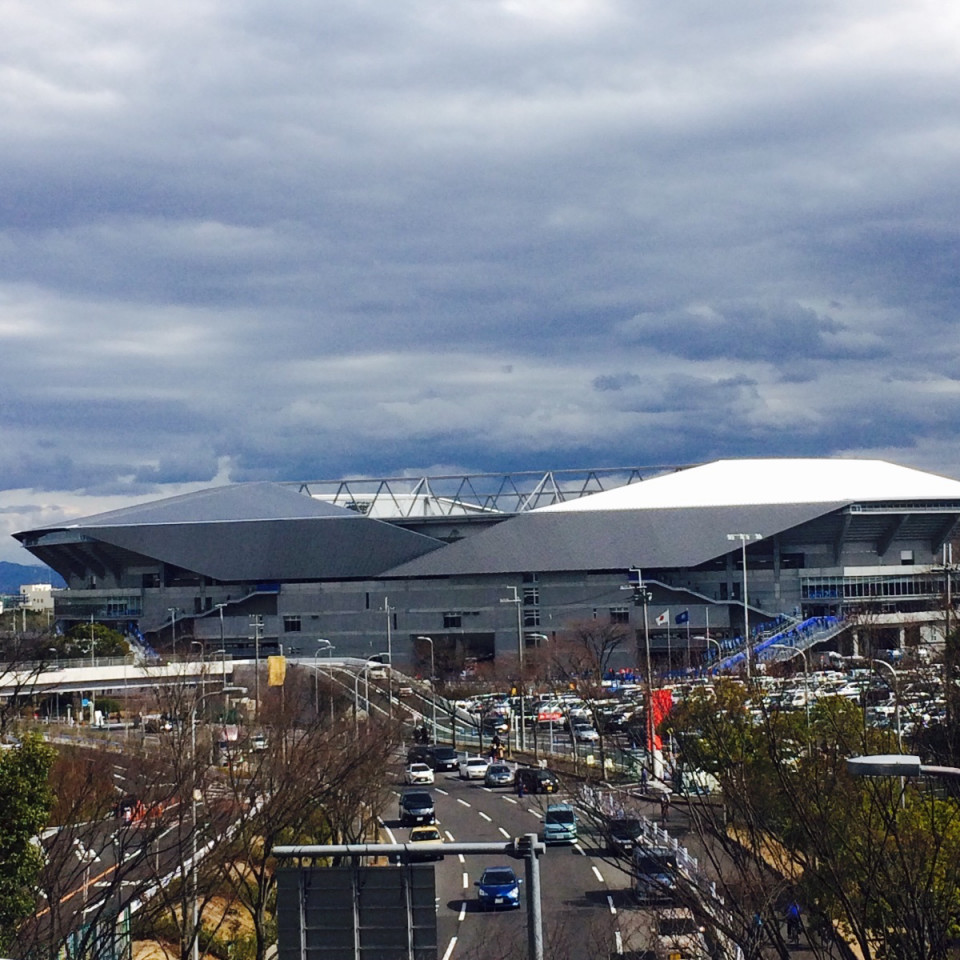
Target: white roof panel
x,y
771,481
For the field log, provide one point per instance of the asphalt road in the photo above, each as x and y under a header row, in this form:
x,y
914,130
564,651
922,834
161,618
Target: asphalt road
x,y
587,907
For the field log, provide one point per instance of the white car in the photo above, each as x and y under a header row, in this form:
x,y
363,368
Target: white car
x,y
473,768
418,773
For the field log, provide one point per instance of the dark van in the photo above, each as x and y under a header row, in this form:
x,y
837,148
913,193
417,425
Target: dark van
x,y
537,780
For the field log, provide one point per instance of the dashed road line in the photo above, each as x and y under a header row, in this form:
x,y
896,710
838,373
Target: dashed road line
x,y
463,910
449,950
466,881
613,909
464,802
504,832
461,858
535,812
619,942
579,849
485,817
449,836
598,875
444,792
511,800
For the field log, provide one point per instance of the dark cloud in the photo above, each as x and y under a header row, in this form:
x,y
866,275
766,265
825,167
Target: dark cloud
x,y
246,241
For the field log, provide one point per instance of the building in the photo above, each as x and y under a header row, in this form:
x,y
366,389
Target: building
x,y
270,566
36,597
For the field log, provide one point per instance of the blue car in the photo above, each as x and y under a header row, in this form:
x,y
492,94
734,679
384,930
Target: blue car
x,y
498,887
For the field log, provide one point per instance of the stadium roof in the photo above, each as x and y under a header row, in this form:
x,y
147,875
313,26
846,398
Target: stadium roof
x,y
771,481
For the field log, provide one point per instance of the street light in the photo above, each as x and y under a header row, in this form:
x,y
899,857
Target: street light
x,y
363,671
743,538
219,608
433,687
193,808
173,629
794,651
517,600
896,688
316,677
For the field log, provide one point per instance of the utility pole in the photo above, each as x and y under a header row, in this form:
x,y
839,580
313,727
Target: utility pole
x,y
743,538
388,610
257,623
517,601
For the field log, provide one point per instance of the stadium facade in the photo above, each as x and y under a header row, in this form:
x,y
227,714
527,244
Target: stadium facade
x,y
281,566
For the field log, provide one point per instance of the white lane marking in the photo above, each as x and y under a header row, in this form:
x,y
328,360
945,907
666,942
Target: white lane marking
x,y
463,910
619,942
613,909
511,800
449,835
484,816
464,802
449,950
444,792
466,881
488,789
461,858
579,849
389,833
536,813
598,875
504,832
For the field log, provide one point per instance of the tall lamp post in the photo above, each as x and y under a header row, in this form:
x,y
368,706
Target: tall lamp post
x,y
896,688
517,601
388,610
433,685
794,651
195,922
316,675
744,538
219,608
362,672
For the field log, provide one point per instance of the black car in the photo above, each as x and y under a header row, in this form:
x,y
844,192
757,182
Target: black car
x,y
536,780
416,806
443,758
622,834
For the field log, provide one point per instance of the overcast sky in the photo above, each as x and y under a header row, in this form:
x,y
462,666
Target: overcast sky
x,y
303,240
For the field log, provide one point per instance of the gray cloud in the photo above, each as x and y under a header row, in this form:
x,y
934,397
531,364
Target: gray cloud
x,y
241,240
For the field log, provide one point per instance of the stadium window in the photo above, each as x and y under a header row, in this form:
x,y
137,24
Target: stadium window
x,y
531,596
531,618
619,614
529,578
291,624
452,620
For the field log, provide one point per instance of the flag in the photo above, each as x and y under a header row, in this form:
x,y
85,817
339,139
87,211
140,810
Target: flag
x,y
663,618
682,617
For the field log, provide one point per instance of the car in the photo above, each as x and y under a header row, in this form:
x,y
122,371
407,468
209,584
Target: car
x,y
622,834
473,768
559,823
418,773
584,733
498,887
678,936
416,806
442,757
429,842
536,780
499,775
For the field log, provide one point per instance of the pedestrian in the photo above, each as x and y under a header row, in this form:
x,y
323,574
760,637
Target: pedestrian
x,y
664,808
793,922
643,781
519,787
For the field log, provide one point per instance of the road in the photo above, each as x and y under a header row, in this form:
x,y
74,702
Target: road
x,y
587,907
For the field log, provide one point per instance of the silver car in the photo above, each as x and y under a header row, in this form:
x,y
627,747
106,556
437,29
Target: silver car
x,y
499,775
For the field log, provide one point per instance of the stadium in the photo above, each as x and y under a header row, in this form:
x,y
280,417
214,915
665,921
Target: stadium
x,y
678,558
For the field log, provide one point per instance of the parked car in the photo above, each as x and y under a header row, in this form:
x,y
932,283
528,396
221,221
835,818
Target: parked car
x,y
559,823
418,773
537,780
473,768
416,806
498,887
499,775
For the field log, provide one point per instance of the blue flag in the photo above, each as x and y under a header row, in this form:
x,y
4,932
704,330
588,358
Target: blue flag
x,y
682,617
